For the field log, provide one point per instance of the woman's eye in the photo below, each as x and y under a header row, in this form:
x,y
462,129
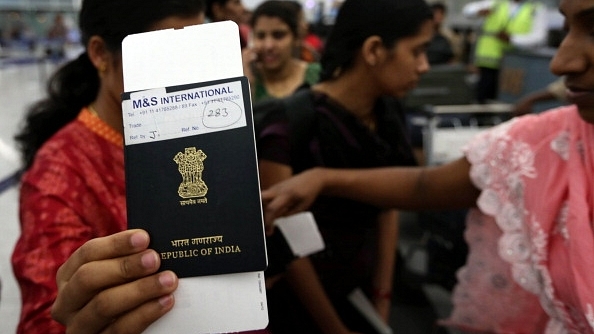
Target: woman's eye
x,y
279,34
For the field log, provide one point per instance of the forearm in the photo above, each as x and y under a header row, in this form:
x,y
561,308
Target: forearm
x,y
540,96
412,188
305,283
387,243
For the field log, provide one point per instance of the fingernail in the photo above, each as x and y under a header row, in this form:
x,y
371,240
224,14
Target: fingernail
x,y
166,279
166,301
139,240
149,260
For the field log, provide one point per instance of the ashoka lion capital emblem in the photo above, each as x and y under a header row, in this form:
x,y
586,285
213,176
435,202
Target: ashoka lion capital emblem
x,y
190,166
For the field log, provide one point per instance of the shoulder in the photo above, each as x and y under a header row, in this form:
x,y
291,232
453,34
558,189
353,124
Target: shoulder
x,y
268,111
275,111
71,138
312,73
530,131
313,68
68,153
536,127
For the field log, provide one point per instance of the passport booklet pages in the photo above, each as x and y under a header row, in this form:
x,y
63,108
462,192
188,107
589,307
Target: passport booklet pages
x,y
191,174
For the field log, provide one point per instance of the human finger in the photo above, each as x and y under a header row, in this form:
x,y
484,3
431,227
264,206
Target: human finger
x,y
132,306
280,206
93,277
112,246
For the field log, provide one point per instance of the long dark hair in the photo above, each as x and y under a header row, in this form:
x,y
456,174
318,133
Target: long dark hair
x,y
359,19
76,84
286,11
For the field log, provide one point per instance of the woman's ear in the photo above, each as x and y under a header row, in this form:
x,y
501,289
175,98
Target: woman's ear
x,y
373,50
98,54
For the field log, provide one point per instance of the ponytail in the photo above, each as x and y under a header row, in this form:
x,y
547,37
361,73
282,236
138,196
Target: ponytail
x,y
72,87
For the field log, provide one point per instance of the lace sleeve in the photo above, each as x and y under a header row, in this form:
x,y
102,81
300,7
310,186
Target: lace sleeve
x,y
495,292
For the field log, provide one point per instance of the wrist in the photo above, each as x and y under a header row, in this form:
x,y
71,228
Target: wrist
x,y
322,177
381,294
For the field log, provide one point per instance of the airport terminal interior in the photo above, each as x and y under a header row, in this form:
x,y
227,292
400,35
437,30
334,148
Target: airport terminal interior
x,y
28,57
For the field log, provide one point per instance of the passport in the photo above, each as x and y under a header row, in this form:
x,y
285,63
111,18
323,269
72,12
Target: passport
x,y
169,74
192,176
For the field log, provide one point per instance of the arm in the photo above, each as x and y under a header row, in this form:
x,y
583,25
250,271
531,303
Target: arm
x,y
387,236
443,187
554,91
304,281
300,274
248,57
526,104
109,285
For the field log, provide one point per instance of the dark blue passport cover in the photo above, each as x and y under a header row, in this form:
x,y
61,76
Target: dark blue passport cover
x,y
220,232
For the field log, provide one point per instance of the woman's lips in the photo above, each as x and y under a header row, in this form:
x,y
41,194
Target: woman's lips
x,y
580,96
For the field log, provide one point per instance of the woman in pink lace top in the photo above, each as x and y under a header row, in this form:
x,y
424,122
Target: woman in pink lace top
x,y
531,183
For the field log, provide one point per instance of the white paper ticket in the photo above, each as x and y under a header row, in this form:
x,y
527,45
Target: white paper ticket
x,y
169,113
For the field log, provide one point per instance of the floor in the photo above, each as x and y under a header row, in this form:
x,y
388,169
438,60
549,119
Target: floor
x,y
19,85
414,312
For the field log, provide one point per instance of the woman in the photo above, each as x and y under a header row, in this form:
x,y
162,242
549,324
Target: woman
x,y
531,241
73,189
273,70
352,121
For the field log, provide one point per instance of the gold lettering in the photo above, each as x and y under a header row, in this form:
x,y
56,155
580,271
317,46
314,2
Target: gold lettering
x,y
227,249
188,202
207,240
180,242
196,252
181,254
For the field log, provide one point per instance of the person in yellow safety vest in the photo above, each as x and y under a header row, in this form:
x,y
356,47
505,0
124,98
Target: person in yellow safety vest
x,y
507,24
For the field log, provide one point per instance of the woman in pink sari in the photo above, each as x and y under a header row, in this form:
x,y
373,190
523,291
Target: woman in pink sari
x,y
531,181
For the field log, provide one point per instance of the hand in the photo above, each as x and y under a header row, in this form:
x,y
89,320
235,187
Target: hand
x,y
290,196
383,307
110,284
502,35
484,12
249,58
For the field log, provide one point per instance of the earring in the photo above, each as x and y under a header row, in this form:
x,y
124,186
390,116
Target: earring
x,y
102,69
336,73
